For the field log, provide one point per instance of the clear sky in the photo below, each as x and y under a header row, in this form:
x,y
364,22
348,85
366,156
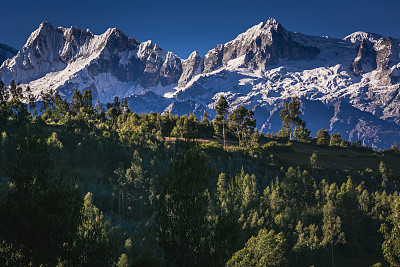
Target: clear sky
x,y
182,26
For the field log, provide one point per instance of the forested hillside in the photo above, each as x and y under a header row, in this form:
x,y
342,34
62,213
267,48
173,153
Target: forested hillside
x,y
84,184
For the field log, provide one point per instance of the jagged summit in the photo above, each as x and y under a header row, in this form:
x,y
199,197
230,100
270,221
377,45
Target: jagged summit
x,y
193,55
260,46
66,58
359,36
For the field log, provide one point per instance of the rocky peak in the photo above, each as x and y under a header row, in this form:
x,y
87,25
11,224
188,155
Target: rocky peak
x,y
44,29
357,37
366,58
118,41
76,36
190,67
273,22
259,47
193,55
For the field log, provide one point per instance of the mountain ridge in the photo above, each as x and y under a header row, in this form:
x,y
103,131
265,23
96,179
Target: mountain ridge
x,y
259,69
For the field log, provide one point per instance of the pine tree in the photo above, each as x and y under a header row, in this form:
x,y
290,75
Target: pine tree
x,y
76,102
100,112
87,102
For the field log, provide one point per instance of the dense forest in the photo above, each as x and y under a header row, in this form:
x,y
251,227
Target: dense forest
x,y
84,184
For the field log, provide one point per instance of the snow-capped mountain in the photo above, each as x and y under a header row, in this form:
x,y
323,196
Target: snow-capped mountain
x,y
6,52
348,85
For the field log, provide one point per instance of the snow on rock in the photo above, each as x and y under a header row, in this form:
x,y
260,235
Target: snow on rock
x,y
348,85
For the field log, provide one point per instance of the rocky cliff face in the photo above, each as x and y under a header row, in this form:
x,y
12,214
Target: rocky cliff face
x,y
260,69
366,58
259,47
6,52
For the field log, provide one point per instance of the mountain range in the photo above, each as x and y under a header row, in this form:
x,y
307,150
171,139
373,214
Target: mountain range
x,y
349,85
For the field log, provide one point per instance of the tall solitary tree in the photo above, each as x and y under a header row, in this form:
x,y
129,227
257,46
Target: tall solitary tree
x,y
222,110
332,229
242,122
292,125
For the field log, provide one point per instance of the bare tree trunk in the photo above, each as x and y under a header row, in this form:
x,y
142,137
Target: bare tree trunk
x,y
119,206
238,133
223,132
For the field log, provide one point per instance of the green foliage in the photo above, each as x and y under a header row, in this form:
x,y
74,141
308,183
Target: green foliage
x,y
266,249
161,201
242,123
292,125
182,210
42,212
220,119
322,137
336,139
391,233
314,160
123,261
93,245
302,134
186,127
331,229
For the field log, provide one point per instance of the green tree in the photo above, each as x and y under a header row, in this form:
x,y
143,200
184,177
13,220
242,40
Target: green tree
x,y
87,102
94,244
222,189
19,111
76,102
332,229
302,134
3,93
42,212
266,249
336,139
307,243
383,170
182,210
220,119
123,261
391,234
290,115
314,160
242,122
99,111
322,137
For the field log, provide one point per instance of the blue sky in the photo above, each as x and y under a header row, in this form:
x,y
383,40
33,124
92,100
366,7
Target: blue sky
x,y
185,26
